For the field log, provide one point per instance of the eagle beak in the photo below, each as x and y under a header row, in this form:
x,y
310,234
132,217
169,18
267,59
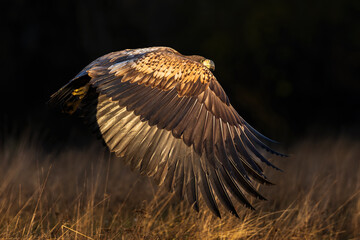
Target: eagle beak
x,y
209,64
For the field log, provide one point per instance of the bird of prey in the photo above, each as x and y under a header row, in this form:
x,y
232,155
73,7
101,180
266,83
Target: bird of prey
x,y
167,116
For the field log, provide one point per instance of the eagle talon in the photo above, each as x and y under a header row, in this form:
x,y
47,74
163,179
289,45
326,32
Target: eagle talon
x,y
81,92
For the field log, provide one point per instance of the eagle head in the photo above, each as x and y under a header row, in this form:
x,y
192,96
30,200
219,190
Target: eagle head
x,y
206,62
209,64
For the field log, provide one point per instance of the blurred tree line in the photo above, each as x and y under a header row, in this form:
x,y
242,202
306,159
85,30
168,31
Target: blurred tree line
x,y
289,67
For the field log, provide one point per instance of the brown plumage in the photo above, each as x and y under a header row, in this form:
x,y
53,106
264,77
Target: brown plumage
x,y
167,116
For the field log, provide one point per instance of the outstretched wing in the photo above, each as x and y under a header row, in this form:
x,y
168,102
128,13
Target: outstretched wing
x,y
167,116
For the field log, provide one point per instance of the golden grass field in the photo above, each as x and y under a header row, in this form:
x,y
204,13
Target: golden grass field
x,y
81,193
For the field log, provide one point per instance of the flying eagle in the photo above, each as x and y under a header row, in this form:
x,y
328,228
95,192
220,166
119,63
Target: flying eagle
x,y
167,116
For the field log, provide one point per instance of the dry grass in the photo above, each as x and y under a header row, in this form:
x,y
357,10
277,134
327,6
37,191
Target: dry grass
x,y
83,194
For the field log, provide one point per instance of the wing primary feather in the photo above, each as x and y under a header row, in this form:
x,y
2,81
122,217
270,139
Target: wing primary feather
x,y
181,114
219,148
229,164
108,111
190,187
234,188
108,125
168,113
197,136
195,158
251,147
118,131
159,147
191,126
209,140
129,98
177,114
261,178
165,145
243,151
161,173
153,109
106,122
230,147
221,192
145,145
163,108
105,82
207,191
179,175
157,156
188,120
245,184
249,164
117,89
252,137
139,152
102,80
169,180
167,160
146,167
147,96
149,107
125,97
128,131
196,87
103,106
133,146
257,132
219,91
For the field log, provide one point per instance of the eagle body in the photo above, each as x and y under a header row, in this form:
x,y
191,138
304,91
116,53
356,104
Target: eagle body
x,y
167,116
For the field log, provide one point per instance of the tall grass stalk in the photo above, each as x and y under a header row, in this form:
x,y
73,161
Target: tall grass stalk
x,y
83,193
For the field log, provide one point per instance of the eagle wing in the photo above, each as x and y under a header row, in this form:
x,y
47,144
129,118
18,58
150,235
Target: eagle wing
x,y
167,116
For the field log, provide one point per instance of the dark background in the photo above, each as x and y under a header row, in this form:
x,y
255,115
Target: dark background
x,y
290,68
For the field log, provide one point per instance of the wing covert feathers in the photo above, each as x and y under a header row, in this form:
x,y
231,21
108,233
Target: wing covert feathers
x,y
168,117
